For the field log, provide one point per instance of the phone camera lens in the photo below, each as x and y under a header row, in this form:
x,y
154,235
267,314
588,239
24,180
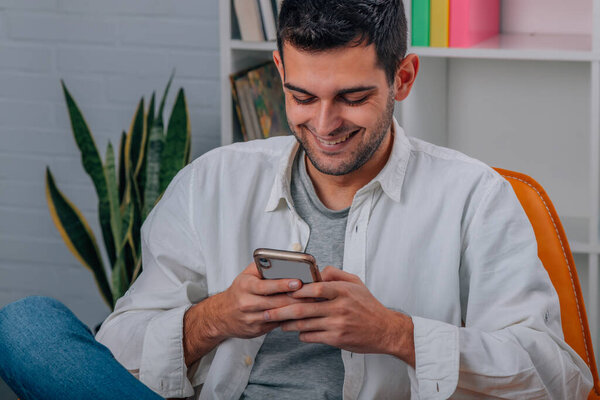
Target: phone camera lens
x,y
264,262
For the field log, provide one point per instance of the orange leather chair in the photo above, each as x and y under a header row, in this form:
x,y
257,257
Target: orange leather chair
x,y
555,253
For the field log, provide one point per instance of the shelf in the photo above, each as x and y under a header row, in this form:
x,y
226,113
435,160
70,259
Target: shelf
x,y
253,46
521,47
505,46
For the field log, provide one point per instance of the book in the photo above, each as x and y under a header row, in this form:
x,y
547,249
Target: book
x,y
249,20
420,22
268,19
259,102
254,131
473,21
269,101
439,21
240,107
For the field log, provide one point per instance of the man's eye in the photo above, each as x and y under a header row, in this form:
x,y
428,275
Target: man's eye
x,y
307,100
356,102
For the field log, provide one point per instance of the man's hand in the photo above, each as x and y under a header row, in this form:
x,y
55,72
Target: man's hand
x,y
236,312
349,318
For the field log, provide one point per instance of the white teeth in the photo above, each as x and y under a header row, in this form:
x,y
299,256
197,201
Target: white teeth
x,y
331,143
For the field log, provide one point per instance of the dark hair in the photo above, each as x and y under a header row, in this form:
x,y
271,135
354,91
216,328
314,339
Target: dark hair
x,y
316,25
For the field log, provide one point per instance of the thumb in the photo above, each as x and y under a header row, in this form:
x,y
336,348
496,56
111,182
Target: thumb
x,y
330,273
251,270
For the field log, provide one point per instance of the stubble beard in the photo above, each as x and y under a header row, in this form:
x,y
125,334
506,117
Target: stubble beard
x,y
358,158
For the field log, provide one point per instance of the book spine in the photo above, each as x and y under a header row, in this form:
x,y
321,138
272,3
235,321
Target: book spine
x,y
420,22
249,20
268,18
440,18
237,105
242,109
255,131
473,21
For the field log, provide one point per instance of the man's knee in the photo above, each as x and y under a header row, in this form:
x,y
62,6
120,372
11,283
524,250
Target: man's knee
x,y
31,313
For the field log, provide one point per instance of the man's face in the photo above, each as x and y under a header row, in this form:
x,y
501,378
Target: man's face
x,y
339,105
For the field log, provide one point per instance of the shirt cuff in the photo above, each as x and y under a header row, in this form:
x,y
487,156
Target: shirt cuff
x,y
162,367
437,358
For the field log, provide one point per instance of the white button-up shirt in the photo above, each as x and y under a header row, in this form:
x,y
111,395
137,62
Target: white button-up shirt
x,y
436,234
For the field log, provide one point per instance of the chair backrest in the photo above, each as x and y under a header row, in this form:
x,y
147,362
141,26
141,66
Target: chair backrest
x,y
555,254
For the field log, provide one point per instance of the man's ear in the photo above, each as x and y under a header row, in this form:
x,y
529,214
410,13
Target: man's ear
x,y
405,76
279,64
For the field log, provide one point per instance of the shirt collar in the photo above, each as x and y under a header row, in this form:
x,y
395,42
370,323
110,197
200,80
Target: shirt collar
x,y
390,178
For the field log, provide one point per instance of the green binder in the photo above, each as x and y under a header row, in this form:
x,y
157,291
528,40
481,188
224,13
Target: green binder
x,y
420,22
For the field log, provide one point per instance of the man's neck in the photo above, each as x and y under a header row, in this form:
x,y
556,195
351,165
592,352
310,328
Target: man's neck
x,y
337,192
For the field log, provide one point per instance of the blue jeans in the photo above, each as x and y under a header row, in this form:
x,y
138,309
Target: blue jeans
x,y
47,353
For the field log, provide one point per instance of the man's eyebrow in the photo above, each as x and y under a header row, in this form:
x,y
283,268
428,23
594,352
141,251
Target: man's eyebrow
x,y
339,93
297,89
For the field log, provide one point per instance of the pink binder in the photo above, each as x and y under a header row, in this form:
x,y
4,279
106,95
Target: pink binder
x,y
472,21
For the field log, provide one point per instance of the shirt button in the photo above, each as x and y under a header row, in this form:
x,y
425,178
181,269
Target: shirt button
x,y
297,247
248,360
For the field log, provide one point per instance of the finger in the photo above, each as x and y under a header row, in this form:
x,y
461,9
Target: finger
x,y
296,311
251,269
268,287
320,290
305,325
275,301
330,273
317,337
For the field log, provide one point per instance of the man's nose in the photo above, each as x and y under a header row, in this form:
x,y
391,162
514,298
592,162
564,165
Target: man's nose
x,y
327,120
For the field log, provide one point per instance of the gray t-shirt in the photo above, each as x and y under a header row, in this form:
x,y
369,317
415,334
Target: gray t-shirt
x,y
285,367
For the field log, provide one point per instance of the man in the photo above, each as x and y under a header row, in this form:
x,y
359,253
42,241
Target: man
x,y
433,288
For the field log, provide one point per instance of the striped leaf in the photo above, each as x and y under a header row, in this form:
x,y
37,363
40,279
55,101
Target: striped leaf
x,y
122,174
138,270
136,140
92,164
159,116
77,235
152,186
176,143
120,280
141,176
134,195
113,194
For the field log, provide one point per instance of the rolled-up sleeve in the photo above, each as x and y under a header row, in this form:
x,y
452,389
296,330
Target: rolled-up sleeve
x,y
511,344
145,330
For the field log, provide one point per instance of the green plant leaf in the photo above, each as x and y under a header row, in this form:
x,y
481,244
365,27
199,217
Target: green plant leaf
x,y
122,174
141,176
159,116
120,278
113,194
152,186
120,283
138,270
92,164
77,235
176,142
136,140
188,147
137,215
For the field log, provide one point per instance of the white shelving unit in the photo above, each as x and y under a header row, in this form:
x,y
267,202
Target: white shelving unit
x,y
527,100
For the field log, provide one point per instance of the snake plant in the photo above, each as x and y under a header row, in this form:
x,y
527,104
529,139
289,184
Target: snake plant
x,y
127,188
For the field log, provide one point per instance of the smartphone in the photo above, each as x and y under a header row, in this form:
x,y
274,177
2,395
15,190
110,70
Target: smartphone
x,y
282,264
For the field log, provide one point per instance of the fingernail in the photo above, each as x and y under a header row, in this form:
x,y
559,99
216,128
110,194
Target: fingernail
x,y
266,316
294,284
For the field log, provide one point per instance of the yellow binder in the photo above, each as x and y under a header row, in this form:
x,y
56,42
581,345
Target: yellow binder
x,y
439,26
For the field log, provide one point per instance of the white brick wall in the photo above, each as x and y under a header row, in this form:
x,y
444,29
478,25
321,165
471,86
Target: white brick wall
x,y
110,53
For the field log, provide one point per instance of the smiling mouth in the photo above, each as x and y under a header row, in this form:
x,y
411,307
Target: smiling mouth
x,y
337,141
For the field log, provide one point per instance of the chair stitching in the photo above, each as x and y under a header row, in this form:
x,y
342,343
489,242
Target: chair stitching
x,y
566,260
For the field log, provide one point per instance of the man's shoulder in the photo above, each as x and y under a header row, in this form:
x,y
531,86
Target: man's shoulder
x,y
272,147
249,154
435,159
